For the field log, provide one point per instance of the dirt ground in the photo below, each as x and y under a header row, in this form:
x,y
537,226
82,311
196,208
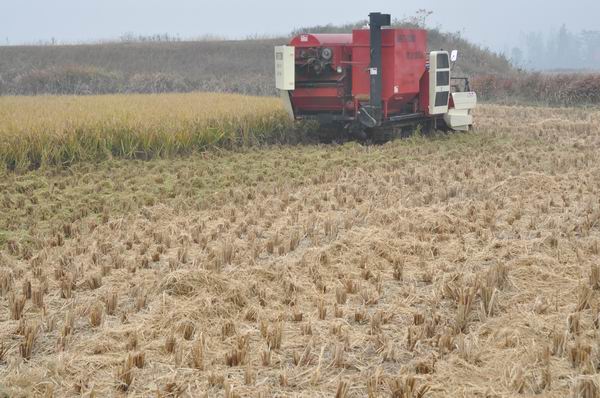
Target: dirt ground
x,y
465,265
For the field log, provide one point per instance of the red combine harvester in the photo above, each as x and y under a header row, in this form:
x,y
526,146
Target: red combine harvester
x,y
372,80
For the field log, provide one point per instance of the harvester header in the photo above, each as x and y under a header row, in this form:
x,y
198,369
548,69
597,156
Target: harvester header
x,y
373,78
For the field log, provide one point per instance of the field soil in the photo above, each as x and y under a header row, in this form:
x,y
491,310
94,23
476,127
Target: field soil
x,y
462,265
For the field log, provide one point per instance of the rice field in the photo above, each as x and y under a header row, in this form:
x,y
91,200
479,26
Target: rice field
x,y
42,131
464,265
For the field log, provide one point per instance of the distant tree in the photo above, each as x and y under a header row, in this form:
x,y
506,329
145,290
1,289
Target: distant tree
x,y
127,37
567,50
130,37
420,18
591,48
516,57
535,50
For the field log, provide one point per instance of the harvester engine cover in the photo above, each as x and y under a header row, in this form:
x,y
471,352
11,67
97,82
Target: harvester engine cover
x,y
371,78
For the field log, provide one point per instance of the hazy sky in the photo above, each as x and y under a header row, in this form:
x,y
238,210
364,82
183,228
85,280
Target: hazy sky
x,y
496,24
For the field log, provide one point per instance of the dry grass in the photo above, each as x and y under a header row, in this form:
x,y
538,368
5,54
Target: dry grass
x,y
462,265
240,66
563,89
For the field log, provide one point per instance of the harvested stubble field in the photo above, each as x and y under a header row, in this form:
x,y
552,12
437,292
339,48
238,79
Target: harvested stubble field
x,y
462,265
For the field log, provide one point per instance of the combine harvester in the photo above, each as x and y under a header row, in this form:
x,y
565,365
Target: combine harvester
x,y
372,82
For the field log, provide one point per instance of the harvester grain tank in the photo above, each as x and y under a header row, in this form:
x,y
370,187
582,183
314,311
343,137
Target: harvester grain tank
x,y
372,79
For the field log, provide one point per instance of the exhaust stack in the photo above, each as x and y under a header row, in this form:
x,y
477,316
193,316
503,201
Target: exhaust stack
x,y
371,115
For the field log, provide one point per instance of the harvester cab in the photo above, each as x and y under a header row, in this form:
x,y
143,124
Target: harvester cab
x,y
372,79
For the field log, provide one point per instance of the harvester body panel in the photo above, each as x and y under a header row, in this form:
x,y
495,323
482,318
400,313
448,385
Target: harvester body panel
x,y
403,65
285,68
372,77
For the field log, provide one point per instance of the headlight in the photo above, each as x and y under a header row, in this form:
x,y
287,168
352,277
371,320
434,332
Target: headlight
x,y
339,69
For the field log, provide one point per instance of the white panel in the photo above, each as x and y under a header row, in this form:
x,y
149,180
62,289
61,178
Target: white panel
x,y
466,100
287,103
433,83
458,119
285,69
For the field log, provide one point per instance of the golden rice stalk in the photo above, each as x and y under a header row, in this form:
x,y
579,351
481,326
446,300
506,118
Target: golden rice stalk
x,y
230,391
574,323
68,325
131,126
6,282
29,335
138,359
37,297
170,343
96,315
584,296
125,374
579,354
110,302
398,270
132,341
540,306
249,375
3,352
235,357
66,286
283,379
341,295
446,343
594,276
546,377
187,329
465,303
585,387
307,328
342,389
406,387
297,315
198,353
94,281
351,286
497,276
16,304
338,356
321,309
265,357
488,298
215,379
227,329
360,315
275,336
518,379
373,381
227,252
559,343
140,299
27,289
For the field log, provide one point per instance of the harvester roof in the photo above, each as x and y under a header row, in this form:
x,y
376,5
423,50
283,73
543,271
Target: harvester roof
x,y
323,39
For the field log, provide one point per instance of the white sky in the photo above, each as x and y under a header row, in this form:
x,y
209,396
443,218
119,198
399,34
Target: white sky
x,y
496,24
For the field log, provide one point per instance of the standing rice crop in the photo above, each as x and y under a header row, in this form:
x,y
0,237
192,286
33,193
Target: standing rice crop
x,y
61,130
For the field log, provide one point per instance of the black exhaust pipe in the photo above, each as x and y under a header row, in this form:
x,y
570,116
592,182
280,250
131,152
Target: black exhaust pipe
x,y
376,21
371,115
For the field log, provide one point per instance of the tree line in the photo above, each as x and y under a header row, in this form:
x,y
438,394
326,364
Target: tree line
x,y
561,49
